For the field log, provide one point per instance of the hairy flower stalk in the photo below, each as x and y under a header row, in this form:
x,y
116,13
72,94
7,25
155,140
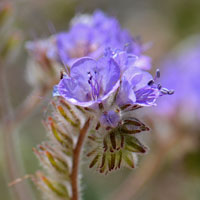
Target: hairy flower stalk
x,y
106,91
60,156
103,82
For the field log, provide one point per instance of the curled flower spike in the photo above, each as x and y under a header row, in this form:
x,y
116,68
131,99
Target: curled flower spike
x,y
110,89
104,83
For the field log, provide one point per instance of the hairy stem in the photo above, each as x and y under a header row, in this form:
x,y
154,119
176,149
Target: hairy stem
x,y
76,161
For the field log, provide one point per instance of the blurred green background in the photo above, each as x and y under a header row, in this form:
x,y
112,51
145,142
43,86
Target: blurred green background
x,y
165,23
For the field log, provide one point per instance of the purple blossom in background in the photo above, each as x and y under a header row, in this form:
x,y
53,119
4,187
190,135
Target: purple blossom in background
x,y
182,70
91,35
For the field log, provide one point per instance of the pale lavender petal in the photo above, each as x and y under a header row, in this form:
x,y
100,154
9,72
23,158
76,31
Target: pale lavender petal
x,y
126,94
146,96
109,73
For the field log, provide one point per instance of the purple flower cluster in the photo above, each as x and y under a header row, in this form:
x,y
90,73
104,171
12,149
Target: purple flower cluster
x,y
105,78
103,70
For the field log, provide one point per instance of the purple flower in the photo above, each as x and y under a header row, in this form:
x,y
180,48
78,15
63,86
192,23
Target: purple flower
x,y
90,81
135,88
91,35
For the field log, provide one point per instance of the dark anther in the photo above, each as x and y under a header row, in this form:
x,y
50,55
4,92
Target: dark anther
x,y
101,106
158,73
97,126
61,74
151,82
166,91
159,86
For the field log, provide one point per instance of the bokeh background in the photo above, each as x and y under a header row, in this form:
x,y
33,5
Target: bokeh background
x,y
171,169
